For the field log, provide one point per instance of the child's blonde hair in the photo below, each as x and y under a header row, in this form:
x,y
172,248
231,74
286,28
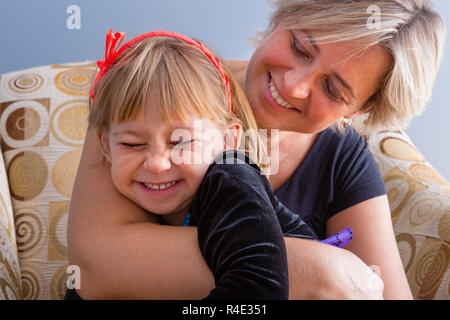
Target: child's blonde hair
x,y
409,30
182,81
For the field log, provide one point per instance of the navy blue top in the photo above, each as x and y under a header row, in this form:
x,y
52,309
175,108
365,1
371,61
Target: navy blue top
x,y
338,172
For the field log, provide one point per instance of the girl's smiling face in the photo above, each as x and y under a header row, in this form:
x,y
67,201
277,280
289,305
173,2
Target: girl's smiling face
x,y
158,165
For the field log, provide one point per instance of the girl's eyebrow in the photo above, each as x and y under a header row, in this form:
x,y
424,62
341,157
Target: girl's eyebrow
x,y
181,125
128,131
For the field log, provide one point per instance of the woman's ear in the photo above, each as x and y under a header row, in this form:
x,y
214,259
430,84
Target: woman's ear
x,y
233,135
363,110
103,140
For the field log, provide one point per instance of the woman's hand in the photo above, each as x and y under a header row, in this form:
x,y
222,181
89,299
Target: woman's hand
x,y
374,243
351,278
320,271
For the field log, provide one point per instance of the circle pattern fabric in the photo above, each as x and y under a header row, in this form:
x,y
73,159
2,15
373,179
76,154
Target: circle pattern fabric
x,y
75,82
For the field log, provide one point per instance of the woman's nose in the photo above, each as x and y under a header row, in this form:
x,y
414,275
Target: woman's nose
x,y
298,84
157,161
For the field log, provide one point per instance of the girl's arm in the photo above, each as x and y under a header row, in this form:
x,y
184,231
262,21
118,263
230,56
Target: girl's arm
x,y
239,234
374,242
123,255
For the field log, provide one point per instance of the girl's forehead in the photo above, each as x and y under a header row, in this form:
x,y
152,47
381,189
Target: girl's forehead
x,y
174,117
156,123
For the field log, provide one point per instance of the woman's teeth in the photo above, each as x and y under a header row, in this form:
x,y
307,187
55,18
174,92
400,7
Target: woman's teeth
x,y
159,186
277,97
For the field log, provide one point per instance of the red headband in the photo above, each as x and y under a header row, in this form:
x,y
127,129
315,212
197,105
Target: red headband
x,y
112,52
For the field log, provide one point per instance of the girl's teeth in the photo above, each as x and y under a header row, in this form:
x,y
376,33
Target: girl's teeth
x,y
161,186
277,97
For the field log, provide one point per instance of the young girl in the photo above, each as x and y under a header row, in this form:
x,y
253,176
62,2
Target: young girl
x,y
166,114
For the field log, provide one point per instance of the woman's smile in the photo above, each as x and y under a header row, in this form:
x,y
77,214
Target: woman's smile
x,y
276,96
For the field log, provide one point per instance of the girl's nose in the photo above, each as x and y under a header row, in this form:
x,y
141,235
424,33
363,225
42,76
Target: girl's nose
x,y
298,83
157,161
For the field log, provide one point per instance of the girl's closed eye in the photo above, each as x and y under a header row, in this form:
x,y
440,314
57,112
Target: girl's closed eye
x,y
131,145
181,143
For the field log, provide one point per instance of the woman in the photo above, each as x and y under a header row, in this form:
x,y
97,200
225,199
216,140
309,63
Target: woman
x,y
320,62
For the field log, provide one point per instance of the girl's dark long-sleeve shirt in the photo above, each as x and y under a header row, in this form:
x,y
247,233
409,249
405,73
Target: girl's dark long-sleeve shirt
x,y
241,225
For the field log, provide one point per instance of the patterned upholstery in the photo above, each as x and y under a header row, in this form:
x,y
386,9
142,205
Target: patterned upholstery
x,y
43,120
10,279
419,199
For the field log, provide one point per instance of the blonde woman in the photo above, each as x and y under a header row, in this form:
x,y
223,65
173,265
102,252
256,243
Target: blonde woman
x,y
320,63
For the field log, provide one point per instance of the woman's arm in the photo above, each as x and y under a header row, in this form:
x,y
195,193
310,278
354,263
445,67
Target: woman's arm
x,y
120,252
374,242
123,255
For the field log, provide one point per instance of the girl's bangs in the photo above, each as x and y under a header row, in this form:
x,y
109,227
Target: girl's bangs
x,y
185,93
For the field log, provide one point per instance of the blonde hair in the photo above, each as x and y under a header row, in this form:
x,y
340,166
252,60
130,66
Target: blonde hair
x,y
409,30
182,81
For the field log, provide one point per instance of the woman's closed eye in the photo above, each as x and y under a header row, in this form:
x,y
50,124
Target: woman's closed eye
x,y
298,49
331,92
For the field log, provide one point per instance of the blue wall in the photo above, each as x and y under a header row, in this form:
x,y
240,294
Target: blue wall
x,y
34,33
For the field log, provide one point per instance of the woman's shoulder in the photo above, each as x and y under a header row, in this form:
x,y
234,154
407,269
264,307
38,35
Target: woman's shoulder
x,y
341,143
340,152
348,137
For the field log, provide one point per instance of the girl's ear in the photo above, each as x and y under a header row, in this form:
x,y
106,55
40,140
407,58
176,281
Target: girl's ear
x,y
233,135
103,139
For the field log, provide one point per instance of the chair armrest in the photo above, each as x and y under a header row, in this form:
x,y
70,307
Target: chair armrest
x,y
10,276
419,199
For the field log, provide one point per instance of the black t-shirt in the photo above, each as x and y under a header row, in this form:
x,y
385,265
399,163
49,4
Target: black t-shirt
x,y
338,172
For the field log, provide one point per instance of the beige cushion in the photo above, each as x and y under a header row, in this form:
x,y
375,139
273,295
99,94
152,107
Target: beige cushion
x,y
10,280
419,199
43,120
